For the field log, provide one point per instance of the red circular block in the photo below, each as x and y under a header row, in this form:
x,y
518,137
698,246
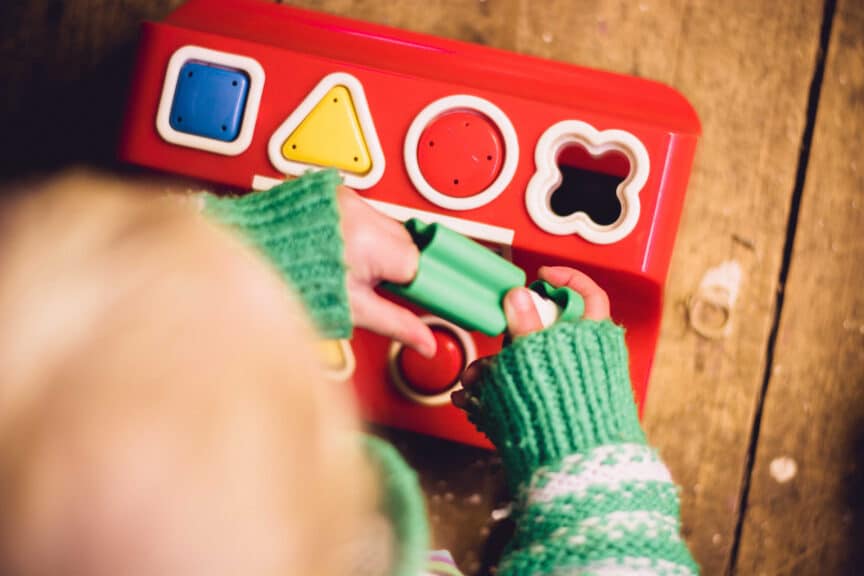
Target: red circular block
x,y
431,376
460,153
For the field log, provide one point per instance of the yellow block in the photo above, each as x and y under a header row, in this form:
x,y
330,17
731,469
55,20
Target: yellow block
x,y
338,358
330,135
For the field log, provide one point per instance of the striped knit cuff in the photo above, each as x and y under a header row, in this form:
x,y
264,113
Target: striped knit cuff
x,y
610,510
554,393
295,225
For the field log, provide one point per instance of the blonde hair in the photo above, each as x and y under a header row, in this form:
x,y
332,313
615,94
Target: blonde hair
x,y
161,409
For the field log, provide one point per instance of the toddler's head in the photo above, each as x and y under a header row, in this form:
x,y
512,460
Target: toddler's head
x,y
162,410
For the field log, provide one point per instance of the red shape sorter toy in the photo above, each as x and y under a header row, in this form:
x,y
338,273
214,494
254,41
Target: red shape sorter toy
x,y
545,162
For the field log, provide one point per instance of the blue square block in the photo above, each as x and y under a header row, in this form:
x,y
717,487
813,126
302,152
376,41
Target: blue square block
x,y
209,101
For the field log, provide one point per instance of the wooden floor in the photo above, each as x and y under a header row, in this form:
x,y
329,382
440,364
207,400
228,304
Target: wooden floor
x,y
757,395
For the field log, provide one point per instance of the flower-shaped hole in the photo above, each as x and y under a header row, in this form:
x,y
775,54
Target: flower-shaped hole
x,y
589,184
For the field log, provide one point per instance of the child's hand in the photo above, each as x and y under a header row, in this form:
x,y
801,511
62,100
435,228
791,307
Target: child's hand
x,y
522,317
378,249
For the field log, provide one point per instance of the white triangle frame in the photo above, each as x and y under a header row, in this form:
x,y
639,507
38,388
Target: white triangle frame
x,y
361,108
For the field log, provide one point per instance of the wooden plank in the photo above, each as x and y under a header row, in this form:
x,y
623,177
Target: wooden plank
x,y
806,505
746,67
65,70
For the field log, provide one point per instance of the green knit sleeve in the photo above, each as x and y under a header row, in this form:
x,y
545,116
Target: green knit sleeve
x,y
295,225
402,503
591,496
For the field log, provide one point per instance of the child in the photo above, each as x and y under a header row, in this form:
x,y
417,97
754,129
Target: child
x,y
160,414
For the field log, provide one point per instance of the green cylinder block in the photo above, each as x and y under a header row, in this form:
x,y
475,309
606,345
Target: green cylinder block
x,y
458,279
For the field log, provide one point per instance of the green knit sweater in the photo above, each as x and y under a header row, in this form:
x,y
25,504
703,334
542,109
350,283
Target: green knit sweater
x,y
296,227
591,497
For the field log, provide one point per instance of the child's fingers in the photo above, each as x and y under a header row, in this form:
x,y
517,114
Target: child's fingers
x,y
596,299
522,316
459,398
472,374
375,313
470,379
402,256
376,247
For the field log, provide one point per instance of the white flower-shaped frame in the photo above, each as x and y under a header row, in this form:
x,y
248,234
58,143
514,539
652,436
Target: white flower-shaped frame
x,y
548,178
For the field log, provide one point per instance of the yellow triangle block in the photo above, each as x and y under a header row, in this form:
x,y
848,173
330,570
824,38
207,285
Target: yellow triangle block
x,y
331,128
330,135
338,358
331,354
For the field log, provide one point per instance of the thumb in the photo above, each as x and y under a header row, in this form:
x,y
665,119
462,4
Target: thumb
x,y
522,316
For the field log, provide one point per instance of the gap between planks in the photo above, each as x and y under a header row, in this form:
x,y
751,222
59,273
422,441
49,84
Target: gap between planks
x,y
828,15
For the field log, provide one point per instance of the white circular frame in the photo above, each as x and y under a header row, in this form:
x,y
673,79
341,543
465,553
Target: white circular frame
x,y
548,177
449,104
405,389
250,114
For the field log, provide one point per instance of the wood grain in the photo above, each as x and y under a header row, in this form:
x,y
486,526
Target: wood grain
x,y
806,505
746,68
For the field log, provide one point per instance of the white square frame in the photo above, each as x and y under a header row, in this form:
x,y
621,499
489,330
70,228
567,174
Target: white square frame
x,y
250,114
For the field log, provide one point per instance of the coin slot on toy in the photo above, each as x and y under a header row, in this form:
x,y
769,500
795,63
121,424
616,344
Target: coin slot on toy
x,y
210,100
331,128
429,381
461,152
587,182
